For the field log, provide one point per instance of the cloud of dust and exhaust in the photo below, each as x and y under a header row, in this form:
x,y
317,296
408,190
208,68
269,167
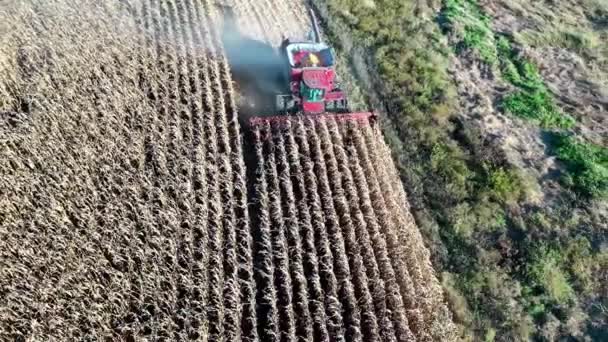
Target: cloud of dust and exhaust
x,y
257,68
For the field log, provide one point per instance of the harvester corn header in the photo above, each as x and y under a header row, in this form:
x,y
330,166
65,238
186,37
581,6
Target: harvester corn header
x,y
310,83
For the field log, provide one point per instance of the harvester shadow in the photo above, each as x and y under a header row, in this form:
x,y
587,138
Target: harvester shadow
x,y
256,71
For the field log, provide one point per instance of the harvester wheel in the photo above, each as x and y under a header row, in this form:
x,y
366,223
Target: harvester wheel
x,y
337,106
284,104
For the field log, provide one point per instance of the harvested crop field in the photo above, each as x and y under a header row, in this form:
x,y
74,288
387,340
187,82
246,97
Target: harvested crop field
x,y
128,212
333,220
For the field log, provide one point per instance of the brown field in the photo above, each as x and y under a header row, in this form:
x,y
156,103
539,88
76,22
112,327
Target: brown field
x,y
327,193
128,211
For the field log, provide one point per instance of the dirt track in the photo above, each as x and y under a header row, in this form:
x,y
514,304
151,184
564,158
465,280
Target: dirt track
x,y
124,200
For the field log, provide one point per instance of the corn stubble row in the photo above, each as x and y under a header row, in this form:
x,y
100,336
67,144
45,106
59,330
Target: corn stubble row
x,y
124,209
356,268
123,199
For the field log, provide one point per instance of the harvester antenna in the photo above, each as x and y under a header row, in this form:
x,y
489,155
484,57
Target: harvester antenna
x,y
315,27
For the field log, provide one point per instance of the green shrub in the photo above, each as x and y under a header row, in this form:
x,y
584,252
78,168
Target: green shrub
x,y
490,335
581,263
586,165
540,220
505,185
537,105
458,303
447,164
533,101
484,216
545,272
471,27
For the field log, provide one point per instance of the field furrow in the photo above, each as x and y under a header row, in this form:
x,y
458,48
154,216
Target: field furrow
x,y
201,108
401,204
215,224
163,165
420,275
431,308
352,318
292,227
309,249
242,224
394,301
231,140
268,322
355,190
333,305
283,281
232,319
388,232
353,251
155,144
184,194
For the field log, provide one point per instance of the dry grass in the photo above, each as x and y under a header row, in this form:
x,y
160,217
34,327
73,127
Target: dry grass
x,y
566,40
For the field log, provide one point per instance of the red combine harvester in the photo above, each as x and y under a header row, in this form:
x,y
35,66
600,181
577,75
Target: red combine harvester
x,y
310,82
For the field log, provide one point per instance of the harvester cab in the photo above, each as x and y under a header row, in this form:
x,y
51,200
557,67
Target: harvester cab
x,y
309,80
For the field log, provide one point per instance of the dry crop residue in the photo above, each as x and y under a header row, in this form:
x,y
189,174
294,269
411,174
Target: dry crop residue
x,y
124,207
336,234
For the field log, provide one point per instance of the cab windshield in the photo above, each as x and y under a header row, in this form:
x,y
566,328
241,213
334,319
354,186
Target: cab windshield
x,y
312,94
